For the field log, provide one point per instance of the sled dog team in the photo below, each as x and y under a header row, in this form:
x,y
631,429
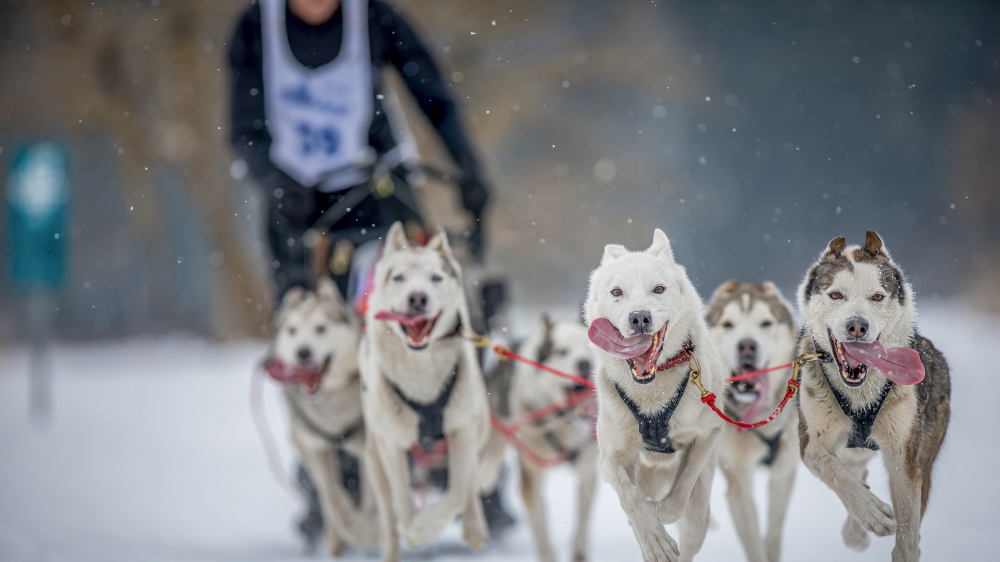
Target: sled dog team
x,y
403,401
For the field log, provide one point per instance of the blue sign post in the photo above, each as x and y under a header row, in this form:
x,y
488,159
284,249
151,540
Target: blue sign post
x,y
37,200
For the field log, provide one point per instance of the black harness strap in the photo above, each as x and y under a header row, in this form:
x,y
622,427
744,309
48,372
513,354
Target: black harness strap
x,y
773,445
653,428
863,420
431,415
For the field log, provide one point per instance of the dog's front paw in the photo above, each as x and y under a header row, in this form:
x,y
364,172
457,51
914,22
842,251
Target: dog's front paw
x,y
874,515
855,536
420,530
656,544
475,533
669,510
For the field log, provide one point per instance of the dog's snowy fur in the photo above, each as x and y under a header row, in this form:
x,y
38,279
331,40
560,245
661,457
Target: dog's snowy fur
x,y
314,328
844,284
516,389
679,483
387,360
753,328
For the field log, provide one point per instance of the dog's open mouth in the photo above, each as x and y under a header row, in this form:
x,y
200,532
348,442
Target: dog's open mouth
x,y
745,391
309,377
416,327
640,352
901,365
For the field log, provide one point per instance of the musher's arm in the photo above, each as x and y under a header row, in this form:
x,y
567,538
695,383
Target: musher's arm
x,y
404,51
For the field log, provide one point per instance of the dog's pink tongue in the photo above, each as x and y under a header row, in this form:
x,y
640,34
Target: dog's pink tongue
x,y
901,365
605,336
400,317
757,406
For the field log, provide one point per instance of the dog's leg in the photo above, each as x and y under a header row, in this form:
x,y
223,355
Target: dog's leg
x,y
475,530
905,479
854,534
779,491
873,514
396,466
702,451
319,459
491,464
656,544
382,490
463,469
739,495
693,525
531,492
586,468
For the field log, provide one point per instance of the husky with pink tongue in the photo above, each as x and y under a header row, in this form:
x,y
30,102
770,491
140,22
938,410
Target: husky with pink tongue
x,y
879,386
658,443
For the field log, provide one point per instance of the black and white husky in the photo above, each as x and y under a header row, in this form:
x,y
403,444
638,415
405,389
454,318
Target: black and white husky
x,y
879,386
754,329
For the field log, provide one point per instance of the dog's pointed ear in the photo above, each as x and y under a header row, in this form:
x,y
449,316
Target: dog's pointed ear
x,y
327,290
396,239
293,297
439,243
770,289
725,289
547,321
873,244
660,246
613,252
836,248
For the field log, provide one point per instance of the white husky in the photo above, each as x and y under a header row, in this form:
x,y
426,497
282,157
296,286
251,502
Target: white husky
x,y
656,438
753,327
421,384
317,334
517,389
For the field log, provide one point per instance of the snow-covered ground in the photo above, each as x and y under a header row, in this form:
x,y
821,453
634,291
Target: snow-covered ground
x,y
151,455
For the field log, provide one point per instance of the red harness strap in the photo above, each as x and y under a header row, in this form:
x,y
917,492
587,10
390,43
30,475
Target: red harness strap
x,y
761,372
683,357
793,387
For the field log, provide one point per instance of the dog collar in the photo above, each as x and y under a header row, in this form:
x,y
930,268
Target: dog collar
x,y
683,357
653,428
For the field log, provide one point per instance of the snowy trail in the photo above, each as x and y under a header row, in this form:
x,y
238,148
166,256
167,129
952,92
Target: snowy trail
x,y
151,455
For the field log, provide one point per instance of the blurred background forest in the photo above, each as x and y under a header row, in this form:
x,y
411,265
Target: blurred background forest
x,y
751,132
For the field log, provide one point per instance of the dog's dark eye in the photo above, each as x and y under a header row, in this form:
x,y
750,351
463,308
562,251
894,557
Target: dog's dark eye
x,y
878,297
616,292
436,278
320,329
659,289
766,324
398,277
291,330
563,352
836,295
727,324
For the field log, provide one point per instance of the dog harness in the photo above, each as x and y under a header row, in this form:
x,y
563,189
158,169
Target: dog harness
x,y
653,428
862,420
431,429
773,444
687,351
350,466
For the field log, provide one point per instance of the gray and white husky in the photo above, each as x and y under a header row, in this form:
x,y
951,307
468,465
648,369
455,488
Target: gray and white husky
x,y
753,328
517,389
879,386
656,438
421,384
317,332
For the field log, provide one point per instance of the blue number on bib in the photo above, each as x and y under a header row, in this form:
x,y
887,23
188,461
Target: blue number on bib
x,y
324,140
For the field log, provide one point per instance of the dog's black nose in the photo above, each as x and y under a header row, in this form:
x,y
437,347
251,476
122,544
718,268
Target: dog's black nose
x,y
857,327
583,367
747,347
418,302
641,322
304,354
